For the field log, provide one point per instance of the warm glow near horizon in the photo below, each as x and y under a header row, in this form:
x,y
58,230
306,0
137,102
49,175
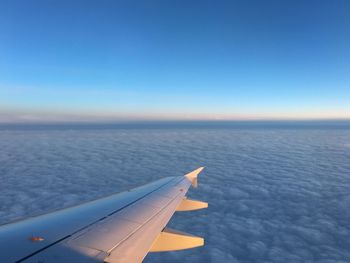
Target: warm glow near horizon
x,y
55,116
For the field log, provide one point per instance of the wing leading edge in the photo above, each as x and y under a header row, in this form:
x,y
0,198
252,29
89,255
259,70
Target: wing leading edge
x,y
119,228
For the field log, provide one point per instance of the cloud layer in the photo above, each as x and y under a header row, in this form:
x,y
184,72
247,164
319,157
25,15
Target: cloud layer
x,y
275,195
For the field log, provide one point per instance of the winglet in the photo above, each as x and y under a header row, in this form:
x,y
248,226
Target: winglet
x,y
192,176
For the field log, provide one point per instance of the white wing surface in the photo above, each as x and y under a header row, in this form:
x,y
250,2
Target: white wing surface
x,y
120,228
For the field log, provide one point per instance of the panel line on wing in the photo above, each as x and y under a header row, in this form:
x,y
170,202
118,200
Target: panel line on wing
x,y
131,234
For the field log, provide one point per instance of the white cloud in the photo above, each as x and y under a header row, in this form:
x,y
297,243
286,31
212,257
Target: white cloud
x,y
274,196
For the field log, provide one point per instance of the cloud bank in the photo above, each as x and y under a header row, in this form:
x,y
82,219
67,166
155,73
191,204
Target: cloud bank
x,y
275,195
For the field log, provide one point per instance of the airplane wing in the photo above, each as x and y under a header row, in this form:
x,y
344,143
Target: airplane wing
x,y
120,228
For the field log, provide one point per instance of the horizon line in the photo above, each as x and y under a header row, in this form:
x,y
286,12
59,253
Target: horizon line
x,y
160,121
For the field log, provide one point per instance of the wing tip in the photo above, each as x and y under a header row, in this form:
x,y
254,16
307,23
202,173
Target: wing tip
x,y
194,173
192,176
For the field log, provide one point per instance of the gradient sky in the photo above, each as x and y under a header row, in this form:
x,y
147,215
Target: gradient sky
x,y
106,60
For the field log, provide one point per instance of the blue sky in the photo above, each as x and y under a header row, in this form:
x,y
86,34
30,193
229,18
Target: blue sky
x,y
111,60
